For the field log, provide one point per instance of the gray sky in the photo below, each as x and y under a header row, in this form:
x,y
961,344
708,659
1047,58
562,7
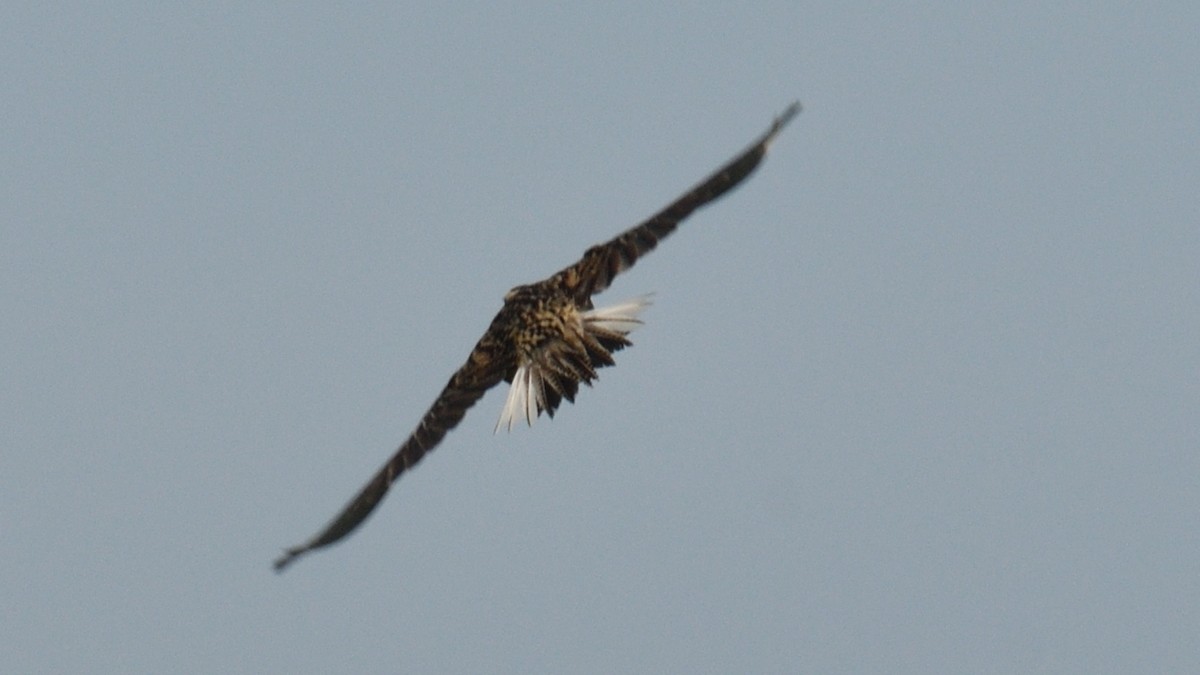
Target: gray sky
x,y
920,397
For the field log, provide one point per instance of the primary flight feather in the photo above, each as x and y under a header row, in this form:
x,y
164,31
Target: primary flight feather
x,y
546,340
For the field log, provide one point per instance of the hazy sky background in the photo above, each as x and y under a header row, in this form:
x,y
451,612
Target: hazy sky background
x,y
922,396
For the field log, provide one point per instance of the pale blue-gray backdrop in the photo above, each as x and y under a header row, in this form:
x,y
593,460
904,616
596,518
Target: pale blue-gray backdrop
x,y
920,397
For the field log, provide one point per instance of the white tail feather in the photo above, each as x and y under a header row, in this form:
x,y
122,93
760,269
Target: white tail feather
x,y
526,397
621,317
515,403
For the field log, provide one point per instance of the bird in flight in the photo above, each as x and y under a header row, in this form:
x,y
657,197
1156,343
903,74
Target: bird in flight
x,y
546,340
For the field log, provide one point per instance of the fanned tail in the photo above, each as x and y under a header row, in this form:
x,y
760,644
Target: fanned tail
x,y
555,372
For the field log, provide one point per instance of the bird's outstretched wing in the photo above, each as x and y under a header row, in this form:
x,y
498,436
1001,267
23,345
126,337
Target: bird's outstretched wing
x,y
495,358
484,369
595,271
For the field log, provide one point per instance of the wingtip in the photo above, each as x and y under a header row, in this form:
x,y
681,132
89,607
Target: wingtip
x,y
782,120
289,556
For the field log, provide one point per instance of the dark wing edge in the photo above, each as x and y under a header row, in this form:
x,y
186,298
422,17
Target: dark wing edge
x,y
601,263
466,387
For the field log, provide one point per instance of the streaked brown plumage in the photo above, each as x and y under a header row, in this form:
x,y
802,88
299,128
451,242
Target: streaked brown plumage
x,y
546,340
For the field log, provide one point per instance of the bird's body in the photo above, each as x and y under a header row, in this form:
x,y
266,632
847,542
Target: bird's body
x,y
557,345
546,340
